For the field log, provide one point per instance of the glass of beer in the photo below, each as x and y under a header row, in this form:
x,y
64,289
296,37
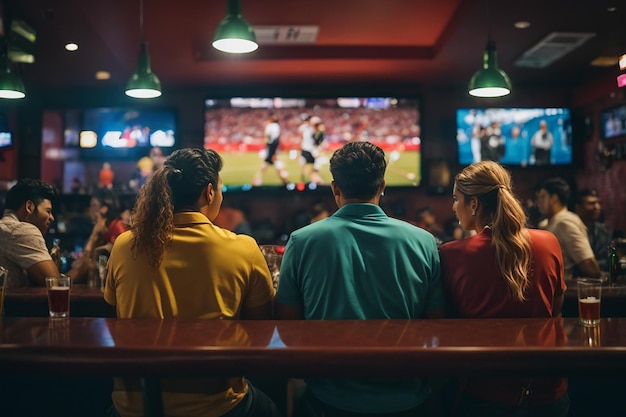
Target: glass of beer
x,y
59,296
102,271
273,255
4,276
589,297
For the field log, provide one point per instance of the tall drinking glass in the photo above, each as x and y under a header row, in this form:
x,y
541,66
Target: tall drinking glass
x,y
59,296
589,297
102,271
273,256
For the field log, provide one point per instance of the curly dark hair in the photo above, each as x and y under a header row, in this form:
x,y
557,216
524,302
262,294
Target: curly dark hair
x,y
358,169
29,189
174,187
557,186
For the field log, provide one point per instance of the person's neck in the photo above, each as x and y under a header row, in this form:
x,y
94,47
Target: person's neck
x,y
555,210
480,228
374,200
20,214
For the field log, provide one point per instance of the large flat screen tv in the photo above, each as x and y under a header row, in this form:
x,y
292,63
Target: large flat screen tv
x,y
236,129
126,133
515,136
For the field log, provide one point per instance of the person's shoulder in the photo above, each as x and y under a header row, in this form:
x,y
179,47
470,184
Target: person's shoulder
x,y
244,240
455,245
420,233
123,239
237,243
542,235
325,230
24,229
544,241
317,228
564,218
572,220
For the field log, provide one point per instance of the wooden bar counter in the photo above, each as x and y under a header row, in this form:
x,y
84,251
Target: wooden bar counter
x,y
149,347
33,302
89,302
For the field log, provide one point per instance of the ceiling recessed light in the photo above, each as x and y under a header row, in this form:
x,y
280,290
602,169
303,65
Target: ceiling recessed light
x,y
611,9
522,24
604,61
71,46
103,75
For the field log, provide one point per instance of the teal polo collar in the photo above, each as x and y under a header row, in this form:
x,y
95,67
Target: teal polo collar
x,y
360,210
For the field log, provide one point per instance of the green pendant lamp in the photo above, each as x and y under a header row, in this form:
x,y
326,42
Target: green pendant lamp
x,y
234,34
490,80
11,86
143,83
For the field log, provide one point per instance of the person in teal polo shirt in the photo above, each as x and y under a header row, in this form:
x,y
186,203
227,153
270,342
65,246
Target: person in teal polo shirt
x,y
360,264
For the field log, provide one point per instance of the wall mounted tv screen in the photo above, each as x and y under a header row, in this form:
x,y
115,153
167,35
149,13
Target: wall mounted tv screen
x,y
515,136
613,122
242,130
113,133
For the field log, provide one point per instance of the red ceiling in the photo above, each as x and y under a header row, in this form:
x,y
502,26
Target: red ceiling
x,y
360,41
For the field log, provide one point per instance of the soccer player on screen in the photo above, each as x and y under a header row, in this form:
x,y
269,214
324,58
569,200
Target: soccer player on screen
x,y
272,135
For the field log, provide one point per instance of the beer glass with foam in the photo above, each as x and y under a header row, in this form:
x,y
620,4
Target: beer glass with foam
x,y
59,296
589,297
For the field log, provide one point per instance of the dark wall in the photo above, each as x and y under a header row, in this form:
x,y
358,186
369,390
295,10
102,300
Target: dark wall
x,y
438,105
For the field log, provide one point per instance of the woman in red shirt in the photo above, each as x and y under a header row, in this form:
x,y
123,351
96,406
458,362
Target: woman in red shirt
x,y
504,270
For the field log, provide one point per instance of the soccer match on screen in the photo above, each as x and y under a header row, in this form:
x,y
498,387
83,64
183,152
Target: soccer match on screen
x,y
283,141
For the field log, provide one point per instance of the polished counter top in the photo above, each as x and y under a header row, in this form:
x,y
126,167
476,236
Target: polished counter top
x,y
152,347
33,302
89,302
41,293
617,290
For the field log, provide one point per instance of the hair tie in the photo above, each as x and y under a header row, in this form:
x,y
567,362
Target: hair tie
x,y
177,174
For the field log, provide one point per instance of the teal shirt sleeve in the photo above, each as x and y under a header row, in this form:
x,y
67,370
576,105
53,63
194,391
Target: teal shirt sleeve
x,y
435,297
289,292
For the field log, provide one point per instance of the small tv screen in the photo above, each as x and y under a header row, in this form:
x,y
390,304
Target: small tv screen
x,y
613,122
6,140
515,136
279,141
117,133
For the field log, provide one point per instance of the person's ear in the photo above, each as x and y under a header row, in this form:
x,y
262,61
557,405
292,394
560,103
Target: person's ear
x,y
30,207
335,190
381,191
210,193
474,204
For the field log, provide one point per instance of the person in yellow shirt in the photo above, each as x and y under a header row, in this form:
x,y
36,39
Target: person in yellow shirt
x,y
176,263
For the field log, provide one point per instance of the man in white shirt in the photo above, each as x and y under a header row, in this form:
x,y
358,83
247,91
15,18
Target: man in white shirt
x,y
578,257
23,251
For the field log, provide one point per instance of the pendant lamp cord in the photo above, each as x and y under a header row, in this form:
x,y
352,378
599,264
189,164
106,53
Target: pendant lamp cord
x,y
488,21
7,16
143,38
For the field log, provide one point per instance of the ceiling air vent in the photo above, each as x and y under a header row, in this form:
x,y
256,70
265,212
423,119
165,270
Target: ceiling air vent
x,y
266,35
551,48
